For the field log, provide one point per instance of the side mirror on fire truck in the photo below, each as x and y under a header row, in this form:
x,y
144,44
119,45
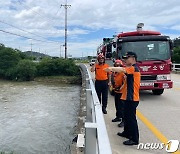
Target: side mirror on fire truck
x,y
119,46
109,50
108,55
106,39
114,44
171,44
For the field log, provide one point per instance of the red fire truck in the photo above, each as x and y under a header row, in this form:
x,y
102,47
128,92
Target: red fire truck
x,y
154,56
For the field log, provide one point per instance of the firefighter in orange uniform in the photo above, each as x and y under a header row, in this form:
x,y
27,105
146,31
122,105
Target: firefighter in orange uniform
x,y
130,95
117,86
102,80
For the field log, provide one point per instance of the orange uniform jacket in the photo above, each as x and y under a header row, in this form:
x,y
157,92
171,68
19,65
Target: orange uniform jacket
x,y
118,79
131,85
100,74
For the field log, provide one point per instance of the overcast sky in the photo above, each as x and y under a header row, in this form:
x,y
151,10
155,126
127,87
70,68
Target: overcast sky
x,y
41,22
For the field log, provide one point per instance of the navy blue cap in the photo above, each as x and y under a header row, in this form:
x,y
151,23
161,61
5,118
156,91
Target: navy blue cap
x,y
130,54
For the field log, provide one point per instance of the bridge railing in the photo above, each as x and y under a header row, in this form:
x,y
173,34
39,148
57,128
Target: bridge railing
x,y
96,137
176,67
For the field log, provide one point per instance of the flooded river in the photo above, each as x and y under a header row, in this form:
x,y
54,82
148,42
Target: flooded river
x,y
37,118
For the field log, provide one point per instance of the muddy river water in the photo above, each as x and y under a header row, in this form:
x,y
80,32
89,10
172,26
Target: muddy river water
x,y
37,118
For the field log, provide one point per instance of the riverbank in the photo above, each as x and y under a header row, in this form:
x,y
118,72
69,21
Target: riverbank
x,y
53,79
80,129
59,79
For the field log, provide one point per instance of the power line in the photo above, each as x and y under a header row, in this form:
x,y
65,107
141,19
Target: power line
x,y
47,18
32,10
50,21
24,36
22,29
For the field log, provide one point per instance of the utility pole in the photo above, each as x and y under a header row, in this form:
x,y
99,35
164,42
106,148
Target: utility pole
x,y
60,49
31,46
31,49
66,6
60,52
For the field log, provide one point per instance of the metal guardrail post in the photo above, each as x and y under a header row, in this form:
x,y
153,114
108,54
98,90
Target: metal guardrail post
x,y
91,138
88,105
102,135
176,67
173,68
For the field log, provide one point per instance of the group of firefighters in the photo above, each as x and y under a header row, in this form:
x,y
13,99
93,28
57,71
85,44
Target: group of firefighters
x,y
126,87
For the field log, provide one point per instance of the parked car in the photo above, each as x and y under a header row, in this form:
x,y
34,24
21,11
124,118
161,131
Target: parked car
x,y
92,62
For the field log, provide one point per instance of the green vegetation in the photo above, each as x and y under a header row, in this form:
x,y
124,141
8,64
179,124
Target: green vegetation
x,y
82,61
6,152
51,67
25,70
176,51
9,59
176,42
176,55
59,79
15,65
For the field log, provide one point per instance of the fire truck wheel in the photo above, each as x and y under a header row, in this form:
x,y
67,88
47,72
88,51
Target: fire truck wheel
x,y
158,91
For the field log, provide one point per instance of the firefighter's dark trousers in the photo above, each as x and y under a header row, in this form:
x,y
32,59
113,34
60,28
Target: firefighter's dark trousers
x,y
130,122
119,105
101,87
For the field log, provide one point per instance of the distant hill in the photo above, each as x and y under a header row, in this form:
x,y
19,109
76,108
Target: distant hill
x,y
36,54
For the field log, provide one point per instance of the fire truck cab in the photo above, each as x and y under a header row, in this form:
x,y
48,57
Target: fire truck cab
x,y
154,57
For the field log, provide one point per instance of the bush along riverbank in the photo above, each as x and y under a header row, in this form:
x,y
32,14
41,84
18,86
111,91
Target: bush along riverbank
x,y
47,70
58,70
16,66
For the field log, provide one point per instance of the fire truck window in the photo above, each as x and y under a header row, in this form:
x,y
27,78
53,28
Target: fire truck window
x,y
147,50
162,48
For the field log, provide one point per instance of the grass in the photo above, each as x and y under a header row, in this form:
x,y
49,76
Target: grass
x,y
2,152
60,79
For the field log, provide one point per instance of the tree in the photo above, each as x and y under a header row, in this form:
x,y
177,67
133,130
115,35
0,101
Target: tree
x,y
176,55
8,59
25,70
15,65
49,67
177,42
9,62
